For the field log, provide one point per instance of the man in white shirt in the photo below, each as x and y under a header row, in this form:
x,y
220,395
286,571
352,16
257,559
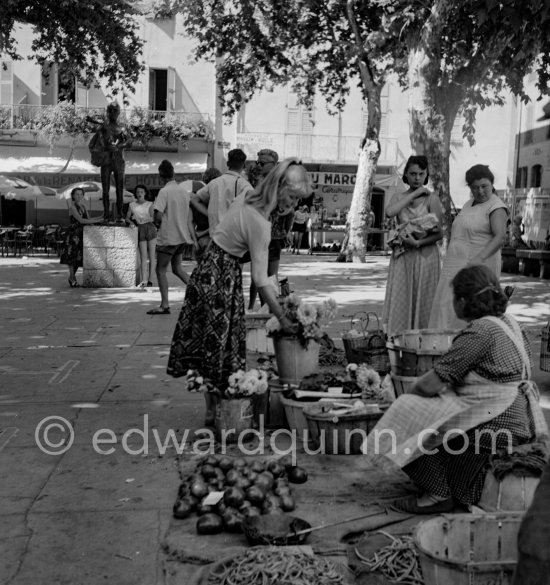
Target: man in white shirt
x,y
215,198
175,230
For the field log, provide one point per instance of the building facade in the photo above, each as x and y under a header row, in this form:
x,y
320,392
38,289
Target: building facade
x,y
174,85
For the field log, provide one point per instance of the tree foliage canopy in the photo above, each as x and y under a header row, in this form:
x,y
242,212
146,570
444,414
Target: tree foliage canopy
x,y
94,39
308,44
473,51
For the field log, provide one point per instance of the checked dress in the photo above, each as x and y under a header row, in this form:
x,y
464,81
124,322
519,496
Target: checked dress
x,y
486,369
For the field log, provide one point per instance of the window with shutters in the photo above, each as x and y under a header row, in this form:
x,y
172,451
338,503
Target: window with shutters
x,y
521,178
158,90
299,120
6,83
536,175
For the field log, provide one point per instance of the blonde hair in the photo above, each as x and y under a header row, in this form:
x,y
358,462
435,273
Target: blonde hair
x,y
265,197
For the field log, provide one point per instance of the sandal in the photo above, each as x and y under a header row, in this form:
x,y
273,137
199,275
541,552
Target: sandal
x,y
410,506
73,283
159,311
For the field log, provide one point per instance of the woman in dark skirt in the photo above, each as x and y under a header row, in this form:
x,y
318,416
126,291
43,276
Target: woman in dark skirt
x,y
210,335
73,247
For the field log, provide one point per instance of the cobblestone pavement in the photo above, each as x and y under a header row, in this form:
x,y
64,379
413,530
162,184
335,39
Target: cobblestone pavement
x,y
94,358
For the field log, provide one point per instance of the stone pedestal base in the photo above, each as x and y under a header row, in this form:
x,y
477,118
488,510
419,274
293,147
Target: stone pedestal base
x,y
110,256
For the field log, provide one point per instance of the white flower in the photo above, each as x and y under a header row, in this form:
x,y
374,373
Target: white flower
x,y
306,314
352,367
273,325
367,378
199,379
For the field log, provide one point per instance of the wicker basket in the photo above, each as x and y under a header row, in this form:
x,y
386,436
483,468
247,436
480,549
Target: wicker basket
x,y
545,349
338,435
370,348
468,549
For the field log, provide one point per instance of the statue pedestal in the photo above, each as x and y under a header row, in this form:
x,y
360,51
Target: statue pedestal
x,y
110,256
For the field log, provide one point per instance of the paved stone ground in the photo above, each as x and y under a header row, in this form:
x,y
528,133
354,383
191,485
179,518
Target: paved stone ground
x,y
96,359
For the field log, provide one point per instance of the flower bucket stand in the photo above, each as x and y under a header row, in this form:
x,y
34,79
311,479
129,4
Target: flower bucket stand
x,y
233,417
294,361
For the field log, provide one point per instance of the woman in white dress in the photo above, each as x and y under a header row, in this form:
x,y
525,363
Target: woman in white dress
x,y
478,233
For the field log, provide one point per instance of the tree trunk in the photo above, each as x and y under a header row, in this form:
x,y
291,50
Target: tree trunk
x,y
432,112
360,204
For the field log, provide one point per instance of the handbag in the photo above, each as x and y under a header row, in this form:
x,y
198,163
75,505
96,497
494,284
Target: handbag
x,y
99,156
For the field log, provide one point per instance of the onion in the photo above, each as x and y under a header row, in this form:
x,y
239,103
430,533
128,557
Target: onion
x,y
255,495
199,489
232,477
182,509
234,497
225,464
287,503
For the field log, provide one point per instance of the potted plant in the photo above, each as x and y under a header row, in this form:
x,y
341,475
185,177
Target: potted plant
x,y
297,354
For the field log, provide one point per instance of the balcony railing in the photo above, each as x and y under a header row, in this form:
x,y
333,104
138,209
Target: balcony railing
x,y
28,117
316,147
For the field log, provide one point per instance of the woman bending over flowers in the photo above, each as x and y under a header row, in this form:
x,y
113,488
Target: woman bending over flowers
x,y
210,335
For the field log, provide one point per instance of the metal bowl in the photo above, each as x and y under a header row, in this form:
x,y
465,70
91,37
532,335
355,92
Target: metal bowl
x,y
275,529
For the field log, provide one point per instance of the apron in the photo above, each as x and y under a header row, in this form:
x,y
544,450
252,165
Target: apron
x,y
415,425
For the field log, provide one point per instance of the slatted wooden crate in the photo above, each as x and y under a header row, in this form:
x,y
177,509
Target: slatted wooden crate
x,y
468,549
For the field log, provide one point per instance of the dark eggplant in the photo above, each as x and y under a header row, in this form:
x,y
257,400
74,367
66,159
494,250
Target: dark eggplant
x,y
297,475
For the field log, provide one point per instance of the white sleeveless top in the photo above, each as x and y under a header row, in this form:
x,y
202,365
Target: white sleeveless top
x,y
141,212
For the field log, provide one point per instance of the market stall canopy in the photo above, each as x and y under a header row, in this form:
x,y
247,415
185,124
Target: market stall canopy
x,y
147,163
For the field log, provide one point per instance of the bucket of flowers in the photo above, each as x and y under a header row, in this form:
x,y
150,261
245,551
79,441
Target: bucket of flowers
x,y
297,354
237,403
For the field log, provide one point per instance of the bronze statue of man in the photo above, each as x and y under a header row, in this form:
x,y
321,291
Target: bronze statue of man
x,y
114,140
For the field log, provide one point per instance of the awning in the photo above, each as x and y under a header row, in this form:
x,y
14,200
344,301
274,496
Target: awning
x,y
147,163
137,163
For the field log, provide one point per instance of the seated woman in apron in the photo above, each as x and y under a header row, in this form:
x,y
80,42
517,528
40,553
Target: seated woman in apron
x,y
476,400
